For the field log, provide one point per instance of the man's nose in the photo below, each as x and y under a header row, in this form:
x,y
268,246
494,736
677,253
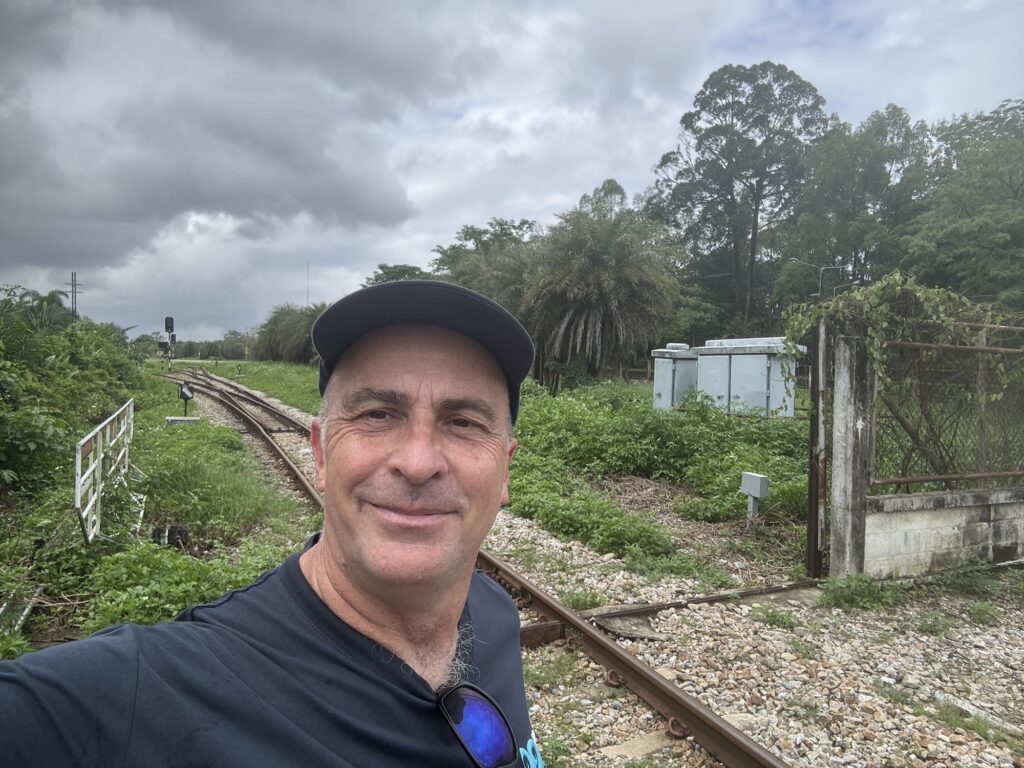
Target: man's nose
x,y
419,455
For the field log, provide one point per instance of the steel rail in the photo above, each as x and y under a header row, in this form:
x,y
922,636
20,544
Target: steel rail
x,y
686,715
240,392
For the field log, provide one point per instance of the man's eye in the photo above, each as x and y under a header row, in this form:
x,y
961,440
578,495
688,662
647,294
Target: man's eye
x,y
376,415
463,423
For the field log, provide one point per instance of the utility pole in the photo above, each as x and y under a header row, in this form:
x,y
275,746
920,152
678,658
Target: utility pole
x,y
76,287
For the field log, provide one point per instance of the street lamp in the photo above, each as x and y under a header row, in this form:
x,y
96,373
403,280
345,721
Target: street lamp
x,y
821,270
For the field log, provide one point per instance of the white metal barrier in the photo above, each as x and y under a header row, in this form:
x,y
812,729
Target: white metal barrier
x,y
100,456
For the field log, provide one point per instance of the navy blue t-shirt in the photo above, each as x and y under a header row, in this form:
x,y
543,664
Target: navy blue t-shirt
x,y
265,676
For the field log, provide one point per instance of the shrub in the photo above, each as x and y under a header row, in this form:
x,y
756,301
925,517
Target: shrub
x,y
861,592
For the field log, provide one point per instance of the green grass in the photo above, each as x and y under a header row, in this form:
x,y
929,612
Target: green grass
x,y
581,599
296,385
557,668
774,617
862,593
933,622
201,476
984,613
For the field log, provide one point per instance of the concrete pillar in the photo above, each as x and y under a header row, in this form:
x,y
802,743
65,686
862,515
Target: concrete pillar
x,y
851,444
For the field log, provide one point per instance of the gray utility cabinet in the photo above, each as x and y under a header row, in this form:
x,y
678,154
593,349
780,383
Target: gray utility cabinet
x,y
747,375
675,374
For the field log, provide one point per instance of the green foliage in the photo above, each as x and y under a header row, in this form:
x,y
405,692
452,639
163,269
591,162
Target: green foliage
x,y
581,599
201,476
740,165
284,335
543,490
148,583
773,617
933,623
58,377
13,644
985,613
612,428
556,670
604,284
387,273
861,592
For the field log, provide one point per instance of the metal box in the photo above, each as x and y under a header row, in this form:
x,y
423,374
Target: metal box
x,y
675,374
747,375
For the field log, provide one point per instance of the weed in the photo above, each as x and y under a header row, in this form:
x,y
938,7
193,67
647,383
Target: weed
x,y
951,715
893,694
773,617
861,592
581,599
975,582
804,648
296,385
13,644
1014,580
933,623
554,671
806,710
984,613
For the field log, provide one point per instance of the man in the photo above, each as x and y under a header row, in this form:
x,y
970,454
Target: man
x,y
379,644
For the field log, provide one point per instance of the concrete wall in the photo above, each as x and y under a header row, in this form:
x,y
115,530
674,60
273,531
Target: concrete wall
x,y
916,533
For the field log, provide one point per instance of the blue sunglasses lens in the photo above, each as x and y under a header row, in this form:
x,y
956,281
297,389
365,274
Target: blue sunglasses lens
x,y
481,726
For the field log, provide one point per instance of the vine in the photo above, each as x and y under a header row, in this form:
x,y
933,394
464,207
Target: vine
x,y
897,308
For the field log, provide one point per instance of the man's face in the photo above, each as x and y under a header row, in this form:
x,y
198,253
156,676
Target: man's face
x,y
416,455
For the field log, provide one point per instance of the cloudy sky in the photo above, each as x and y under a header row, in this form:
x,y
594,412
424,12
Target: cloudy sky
x,y
199,158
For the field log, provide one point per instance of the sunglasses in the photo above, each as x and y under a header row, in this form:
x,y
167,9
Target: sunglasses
x,y
480,725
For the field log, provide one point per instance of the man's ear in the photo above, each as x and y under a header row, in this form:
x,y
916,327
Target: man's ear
x,y
512,445
317,444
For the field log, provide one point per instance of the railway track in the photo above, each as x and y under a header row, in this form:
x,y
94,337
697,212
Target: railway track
x,y
685,716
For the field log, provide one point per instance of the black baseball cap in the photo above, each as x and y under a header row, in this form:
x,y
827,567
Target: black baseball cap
x,y
432,302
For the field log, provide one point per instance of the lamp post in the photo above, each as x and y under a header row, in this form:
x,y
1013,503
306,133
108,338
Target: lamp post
x,y
821,270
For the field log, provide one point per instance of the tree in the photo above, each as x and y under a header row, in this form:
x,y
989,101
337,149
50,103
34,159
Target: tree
x,y
859,187
387,273
604,284
740,165
971,237
284,335
496,260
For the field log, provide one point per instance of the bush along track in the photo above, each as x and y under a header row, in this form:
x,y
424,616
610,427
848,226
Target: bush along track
x,y
201,477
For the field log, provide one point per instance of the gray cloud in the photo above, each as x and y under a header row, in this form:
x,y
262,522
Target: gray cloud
x,y
192,157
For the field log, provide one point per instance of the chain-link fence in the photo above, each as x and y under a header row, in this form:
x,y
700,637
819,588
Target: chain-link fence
x,y
950,416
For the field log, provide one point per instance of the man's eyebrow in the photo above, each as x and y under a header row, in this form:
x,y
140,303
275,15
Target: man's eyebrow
x,y
351,401
481,407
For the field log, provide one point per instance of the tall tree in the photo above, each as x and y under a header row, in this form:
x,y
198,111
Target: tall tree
x,y
496,260
738,169
860,185
971,238
604,284
285,334
386,273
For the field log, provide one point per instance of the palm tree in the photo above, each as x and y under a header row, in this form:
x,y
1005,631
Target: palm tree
x,y
604,285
